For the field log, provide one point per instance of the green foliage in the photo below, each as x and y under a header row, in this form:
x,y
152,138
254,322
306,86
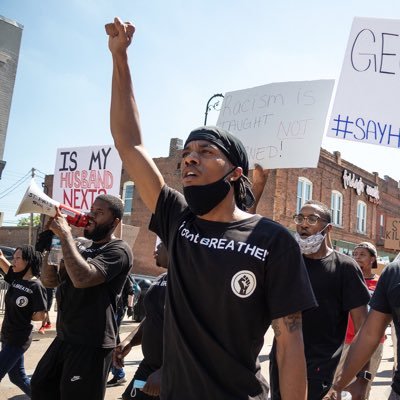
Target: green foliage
x,y
25,221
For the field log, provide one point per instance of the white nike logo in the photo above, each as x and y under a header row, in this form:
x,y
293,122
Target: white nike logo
x,y
75,378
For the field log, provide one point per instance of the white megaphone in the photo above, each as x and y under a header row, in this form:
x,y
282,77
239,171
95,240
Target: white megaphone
x,y
36,201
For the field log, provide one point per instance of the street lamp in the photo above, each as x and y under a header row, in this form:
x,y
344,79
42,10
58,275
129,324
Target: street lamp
x,y
214,105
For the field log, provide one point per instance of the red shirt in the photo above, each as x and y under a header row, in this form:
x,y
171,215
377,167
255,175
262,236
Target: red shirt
x,y
371,284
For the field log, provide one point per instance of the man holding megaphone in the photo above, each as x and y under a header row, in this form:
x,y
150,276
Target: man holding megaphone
x,y
77,363
35,201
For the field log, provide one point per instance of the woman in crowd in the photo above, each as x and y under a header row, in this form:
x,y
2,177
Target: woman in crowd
x,y
365,255
25,301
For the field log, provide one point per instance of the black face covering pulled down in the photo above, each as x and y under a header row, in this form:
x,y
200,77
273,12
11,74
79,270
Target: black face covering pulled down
x,y
21,274
202,199
234,150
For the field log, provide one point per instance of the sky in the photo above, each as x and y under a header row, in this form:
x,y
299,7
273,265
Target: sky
x,y
183,52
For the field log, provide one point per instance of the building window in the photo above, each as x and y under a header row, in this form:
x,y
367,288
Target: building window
x,y
336,207
127,197
361,217
382,226
304,192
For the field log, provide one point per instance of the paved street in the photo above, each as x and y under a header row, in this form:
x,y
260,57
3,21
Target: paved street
x,y
380,387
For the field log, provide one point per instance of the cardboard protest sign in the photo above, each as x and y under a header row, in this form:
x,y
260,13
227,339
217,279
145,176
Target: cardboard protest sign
x,y
366,103
280,124
392,234
83,173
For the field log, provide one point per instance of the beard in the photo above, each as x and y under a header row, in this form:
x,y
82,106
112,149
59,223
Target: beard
x,y
99,233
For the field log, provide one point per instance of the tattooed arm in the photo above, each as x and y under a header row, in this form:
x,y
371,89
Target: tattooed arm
x,y
81,273
49,274
290,357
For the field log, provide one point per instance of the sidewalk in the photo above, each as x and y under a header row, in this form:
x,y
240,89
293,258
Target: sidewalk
x,y
380,387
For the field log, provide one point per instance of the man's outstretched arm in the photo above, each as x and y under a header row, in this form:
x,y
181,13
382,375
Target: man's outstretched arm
x,y
361,350
290,357
125,121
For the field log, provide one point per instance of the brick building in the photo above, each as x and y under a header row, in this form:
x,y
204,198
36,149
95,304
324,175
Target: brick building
x,y
360,202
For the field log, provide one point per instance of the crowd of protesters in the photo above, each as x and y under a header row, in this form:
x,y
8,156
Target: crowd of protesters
x,y
222,256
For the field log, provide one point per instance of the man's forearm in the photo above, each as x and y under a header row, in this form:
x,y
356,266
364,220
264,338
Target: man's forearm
x,y
81,273
126,132
359,354
363,347
49,275
290,357
125,126
292,373
135,337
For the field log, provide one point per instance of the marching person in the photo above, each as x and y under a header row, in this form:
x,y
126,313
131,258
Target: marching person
x,y
150,335
25,301
385,307
118,373
365,255
231,274
89,282
340,290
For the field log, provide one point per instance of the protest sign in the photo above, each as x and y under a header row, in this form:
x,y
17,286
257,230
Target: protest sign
x,y
83,173
392,234
280,124
366,103
130,234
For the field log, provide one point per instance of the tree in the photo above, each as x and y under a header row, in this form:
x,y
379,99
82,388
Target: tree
x,y
25,221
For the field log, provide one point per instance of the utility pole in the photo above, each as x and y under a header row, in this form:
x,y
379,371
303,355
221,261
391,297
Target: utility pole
x,y
31,219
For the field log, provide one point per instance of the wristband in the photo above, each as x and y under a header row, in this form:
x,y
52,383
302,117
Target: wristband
x,y
365,375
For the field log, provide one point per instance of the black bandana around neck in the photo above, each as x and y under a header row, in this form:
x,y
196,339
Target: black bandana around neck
x,y
234,150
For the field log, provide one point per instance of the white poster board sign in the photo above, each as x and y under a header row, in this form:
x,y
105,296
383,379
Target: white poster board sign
x,y
366,106
130,234
83,173
280,124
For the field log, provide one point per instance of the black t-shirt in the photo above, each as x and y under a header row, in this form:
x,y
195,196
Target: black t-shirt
x,y
127,291
226,282
152,335
386,299
87,316
23,298
339,287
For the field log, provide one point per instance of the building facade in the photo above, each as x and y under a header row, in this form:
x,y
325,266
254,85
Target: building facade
x,y
361,203
10,41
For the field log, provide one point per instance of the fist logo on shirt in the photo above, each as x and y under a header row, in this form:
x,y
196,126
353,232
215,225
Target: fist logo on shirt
x,y
243,283
21,301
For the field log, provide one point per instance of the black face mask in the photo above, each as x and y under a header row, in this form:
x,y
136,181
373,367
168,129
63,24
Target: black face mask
x,y
203,198
21,274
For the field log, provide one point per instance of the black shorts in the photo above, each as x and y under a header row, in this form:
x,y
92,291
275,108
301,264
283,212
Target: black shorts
x,y
68,371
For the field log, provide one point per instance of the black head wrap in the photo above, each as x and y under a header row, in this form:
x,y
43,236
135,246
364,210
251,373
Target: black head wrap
x,y
235,152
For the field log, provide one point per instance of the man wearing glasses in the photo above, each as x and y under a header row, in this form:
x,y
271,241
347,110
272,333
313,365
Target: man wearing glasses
x,y
339,287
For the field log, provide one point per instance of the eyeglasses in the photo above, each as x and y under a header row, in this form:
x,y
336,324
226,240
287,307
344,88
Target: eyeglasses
x,y
311,219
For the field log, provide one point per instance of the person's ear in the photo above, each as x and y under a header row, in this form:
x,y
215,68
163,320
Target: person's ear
x,y
236,174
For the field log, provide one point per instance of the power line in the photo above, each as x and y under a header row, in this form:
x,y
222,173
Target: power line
x,y
38,170
15,185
